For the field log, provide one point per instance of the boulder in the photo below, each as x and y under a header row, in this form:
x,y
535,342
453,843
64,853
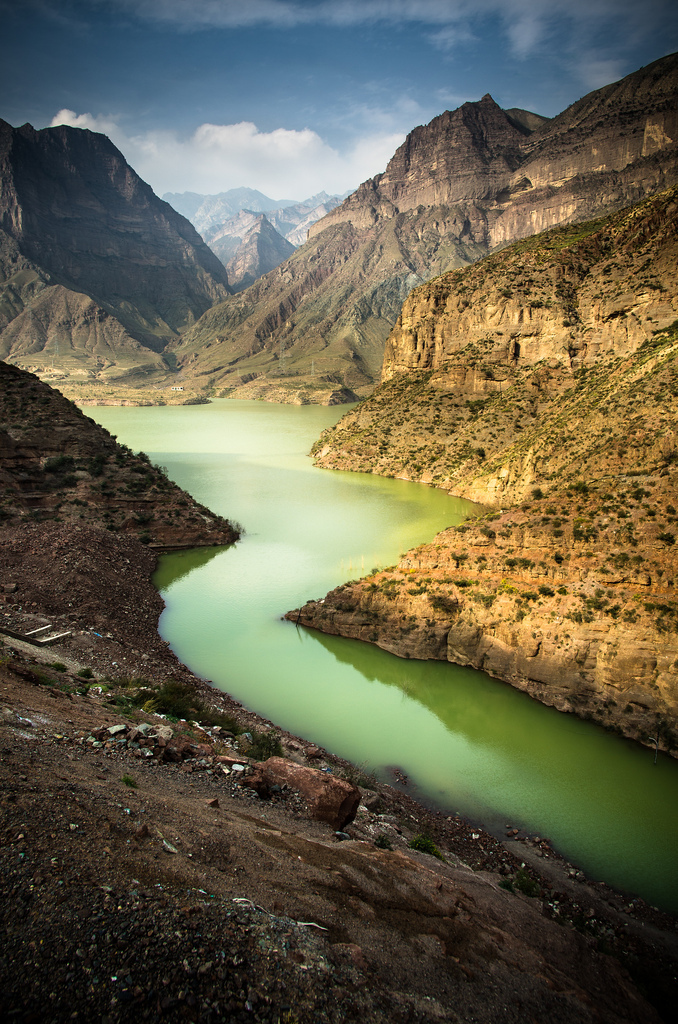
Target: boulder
x,y
328,798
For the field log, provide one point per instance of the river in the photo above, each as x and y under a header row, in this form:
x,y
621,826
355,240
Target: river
x,y
468,744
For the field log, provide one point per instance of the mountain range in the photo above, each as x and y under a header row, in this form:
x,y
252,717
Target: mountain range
x,y
250,233
108,283
473,179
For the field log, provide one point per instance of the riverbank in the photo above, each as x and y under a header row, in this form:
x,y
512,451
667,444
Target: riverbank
x,y
125,845
129,893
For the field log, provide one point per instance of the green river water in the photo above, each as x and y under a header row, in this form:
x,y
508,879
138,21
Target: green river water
x,y
468,743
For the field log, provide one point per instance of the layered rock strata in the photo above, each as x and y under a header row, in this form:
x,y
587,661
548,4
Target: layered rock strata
x,y
542,382
473,179
56,464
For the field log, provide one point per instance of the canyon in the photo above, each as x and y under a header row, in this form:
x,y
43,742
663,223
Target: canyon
x,y
118,823
540,382
472,180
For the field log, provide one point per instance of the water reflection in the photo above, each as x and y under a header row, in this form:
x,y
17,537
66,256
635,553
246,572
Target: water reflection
x,y
504,757
172,570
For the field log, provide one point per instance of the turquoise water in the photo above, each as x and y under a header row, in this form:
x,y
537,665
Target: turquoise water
x,y
467,742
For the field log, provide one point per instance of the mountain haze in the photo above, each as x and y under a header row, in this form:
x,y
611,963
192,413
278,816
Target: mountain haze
x,y
473,179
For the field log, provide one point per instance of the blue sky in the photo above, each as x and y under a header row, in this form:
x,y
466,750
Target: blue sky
x,y
295,96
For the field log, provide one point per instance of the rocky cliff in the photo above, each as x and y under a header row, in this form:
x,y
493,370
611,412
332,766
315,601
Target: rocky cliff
x,y
95,268
249,246
473,179
57,465
543,382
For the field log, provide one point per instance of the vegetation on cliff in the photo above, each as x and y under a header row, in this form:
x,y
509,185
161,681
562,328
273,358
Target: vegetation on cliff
x,y
56,464
542,382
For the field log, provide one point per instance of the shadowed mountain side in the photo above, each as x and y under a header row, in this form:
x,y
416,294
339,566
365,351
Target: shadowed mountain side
x,y
58,465
75,215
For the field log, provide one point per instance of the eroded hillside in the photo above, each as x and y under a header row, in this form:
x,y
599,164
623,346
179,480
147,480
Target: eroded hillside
x,y
58,465
545,387
471,180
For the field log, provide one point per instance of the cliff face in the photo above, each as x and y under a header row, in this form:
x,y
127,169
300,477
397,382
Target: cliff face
x,y
543,382
76,218
250,254
471,180
58,465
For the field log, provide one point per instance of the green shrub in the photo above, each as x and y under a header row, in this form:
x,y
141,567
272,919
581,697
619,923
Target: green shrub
x,y
176,700
85,673
426,845
59,464
58,666
525,883
264,745
127,780
382,842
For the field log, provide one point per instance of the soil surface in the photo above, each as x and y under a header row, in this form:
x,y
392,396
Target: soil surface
x,y
138,887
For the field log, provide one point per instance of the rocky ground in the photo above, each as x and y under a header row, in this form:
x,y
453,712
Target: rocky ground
x,y
206,866
143,879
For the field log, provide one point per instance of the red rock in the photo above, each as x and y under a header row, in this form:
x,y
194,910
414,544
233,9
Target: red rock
x,y
257,781
214,802
328,798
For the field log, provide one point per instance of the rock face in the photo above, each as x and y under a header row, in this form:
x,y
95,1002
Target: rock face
x,y
57,464
249,246
541,381
328,798
90,258
472,179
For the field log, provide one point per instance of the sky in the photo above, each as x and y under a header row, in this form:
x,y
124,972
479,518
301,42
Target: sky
x,y
294,97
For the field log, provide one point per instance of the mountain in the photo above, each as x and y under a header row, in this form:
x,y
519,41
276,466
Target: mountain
x,y
209,212
248,243
294,221
249,246
542,382
59,466
473,179
95,270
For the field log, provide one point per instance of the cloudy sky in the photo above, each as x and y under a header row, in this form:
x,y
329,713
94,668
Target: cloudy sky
x,y
295,96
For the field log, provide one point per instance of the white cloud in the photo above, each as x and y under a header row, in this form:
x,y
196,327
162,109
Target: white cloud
x,y
284,164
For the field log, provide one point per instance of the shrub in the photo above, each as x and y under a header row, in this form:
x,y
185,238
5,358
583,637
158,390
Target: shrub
x,y
85,673
382,842
527,885
58,666
127,780
426,845
59,464
264,745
